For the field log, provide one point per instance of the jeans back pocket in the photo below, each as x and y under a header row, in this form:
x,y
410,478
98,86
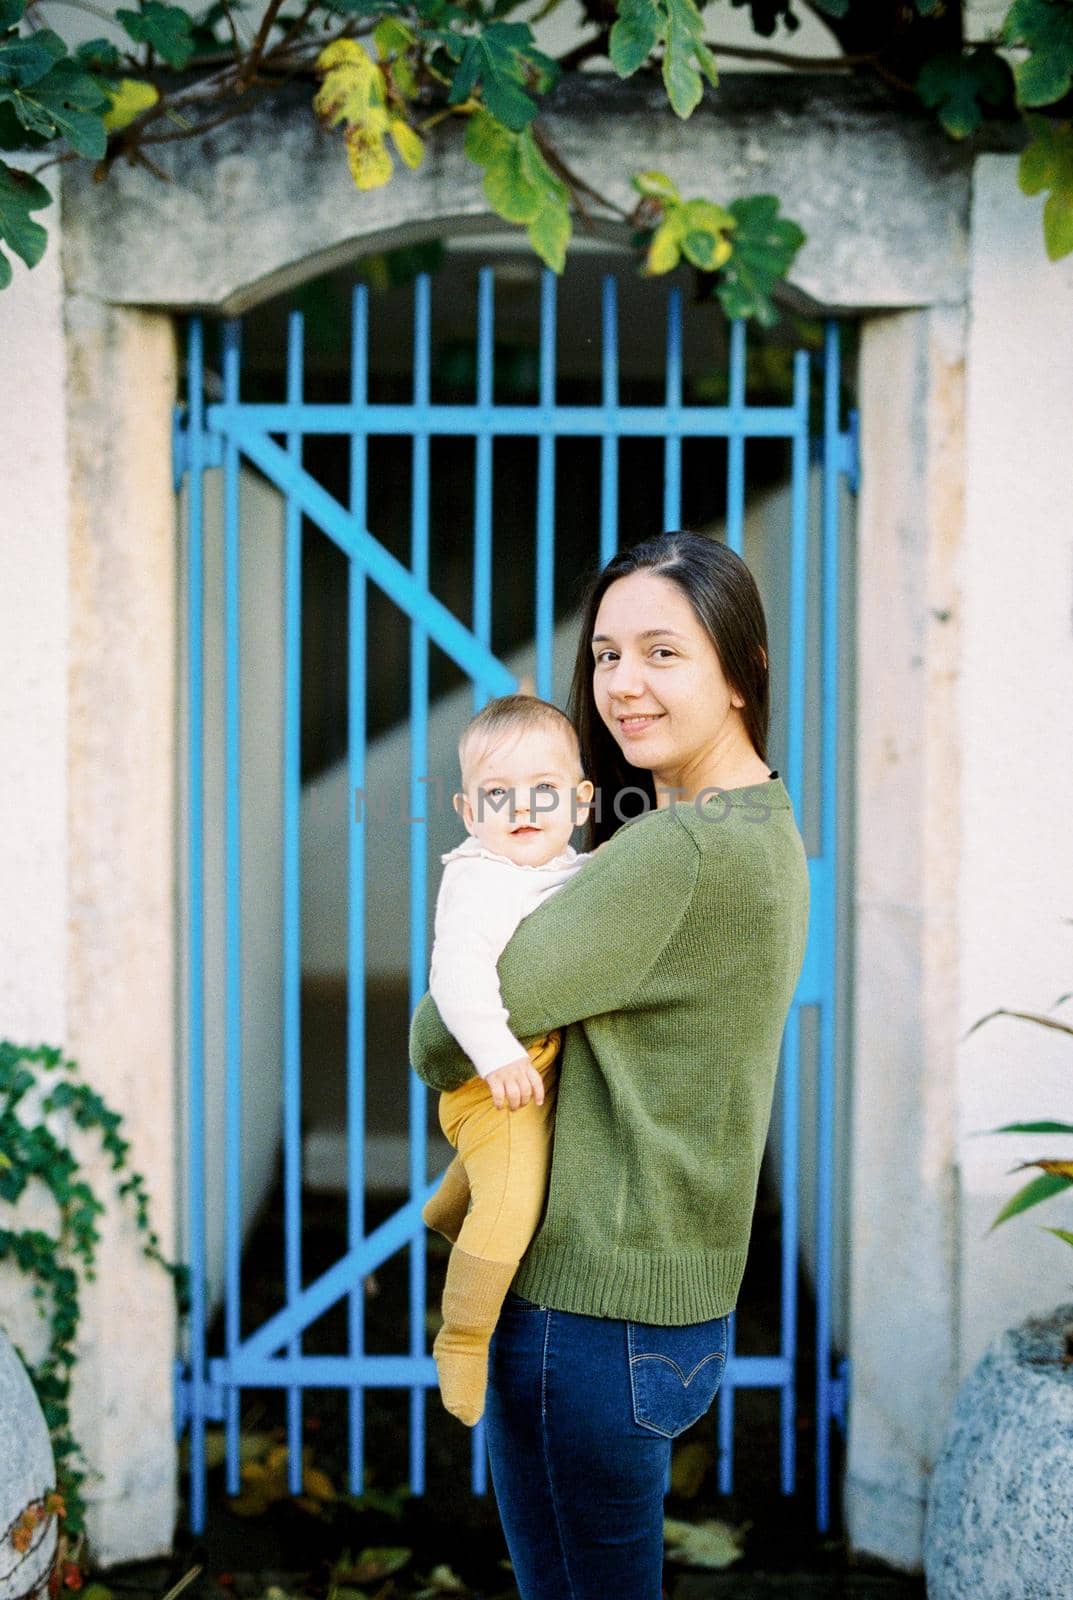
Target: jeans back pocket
x,y
675,1373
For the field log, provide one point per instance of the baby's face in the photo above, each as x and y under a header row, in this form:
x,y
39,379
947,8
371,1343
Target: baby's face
x,y
522,797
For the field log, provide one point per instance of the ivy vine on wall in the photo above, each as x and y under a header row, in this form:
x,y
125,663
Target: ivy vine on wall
x,y
42,1092
395,73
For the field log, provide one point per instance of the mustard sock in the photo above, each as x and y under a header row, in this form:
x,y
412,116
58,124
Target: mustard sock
x,y
472,1298
446,1211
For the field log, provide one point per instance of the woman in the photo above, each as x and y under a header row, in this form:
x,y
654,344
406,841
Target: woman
x,y
670,962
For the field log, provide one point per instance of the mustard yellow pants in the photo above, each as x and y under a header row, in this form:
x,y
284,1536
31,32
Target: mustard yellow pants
x,y
505,1156
488,1204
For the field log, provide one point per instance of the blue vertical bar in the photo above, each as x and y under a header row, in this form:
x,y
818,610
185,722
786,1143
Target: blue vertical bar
x,y
545,551
795,761
482,615
292,781
828,836
195,422
609,444
232,337
791,1227
792,1037
356,733
791,1057
420,800
672,445
482,525
734,525
736,440
725,1416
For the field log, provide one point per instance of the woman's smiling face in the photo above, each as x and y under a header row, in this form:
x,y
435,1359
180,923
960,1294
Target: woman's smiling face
x,y
658,682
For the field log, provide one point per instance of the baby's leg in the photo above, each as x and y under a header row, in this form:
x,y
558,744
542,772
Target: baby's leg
x,y
506,1156
446,1211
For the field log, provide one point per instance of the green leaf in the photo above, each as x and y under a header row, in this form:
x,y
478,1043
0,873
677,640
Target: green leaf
x,y
764,247
98,55
1041,1188
1045,29
549,233
513,192
436,12
486,139
641,25
832,8
1033,1127
26,61
13,136
1047,163
701,250
707,251
520,185
1058,226
680,77
167,29
11,13
685,57
657,186
19,195
699,228
665,249
391,36
959,86
67,103
706,215
1061,1233
504,63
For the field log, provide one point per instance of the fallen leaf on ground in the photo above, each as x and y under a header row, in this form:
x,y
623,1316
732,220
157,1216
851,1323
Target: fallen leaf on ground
x,y
711,1544
441,1580
265,1481
388,1501
372,1564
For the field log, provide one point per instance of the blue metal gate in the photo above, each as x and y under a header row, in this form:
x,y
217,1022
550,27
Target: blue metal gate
x,y
218,435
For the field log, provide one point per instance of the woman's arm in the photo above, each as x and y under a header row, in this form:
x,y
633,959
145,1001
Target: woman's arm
x,y
584,951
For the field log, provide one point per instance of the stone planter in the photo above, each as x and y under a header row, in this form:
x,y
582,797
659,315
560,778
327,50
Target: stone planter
x,y
27,1473
999,1522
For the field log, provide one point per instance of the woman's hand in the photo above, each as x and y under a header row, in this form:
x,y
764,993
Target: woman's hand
x,y
516,1084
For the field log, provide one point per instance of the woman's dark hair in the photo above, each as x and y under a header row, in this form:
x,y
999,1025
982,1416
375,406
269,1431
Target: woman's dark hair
x,y
726,601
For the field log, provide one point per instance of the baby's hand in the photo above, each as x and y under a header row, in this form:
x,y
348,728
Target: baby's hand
x,y
516,1084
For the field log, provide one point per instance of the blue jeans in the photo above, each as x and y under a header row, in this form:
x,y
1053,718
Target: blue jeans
x,y
580,1415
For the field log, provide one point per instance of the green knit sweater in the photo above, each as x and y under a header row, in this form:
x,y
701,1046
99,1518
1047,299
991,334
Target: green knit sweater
x,y
670,961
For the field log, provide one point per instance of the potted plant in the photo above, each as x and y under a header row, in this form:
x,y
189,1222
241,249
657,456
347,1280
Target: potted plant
x,y
999,1522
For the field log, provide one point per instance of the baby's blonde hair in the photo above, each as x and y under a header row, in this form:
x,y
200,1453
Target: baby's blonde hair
x,y
511,713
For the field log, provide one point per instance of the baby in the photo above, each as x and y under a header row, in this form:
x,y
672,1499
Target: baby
x,y
522,795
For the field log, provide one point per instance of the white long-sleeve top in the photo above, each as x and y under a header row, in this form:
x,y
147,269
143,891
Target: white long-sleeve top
x,y
483,897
